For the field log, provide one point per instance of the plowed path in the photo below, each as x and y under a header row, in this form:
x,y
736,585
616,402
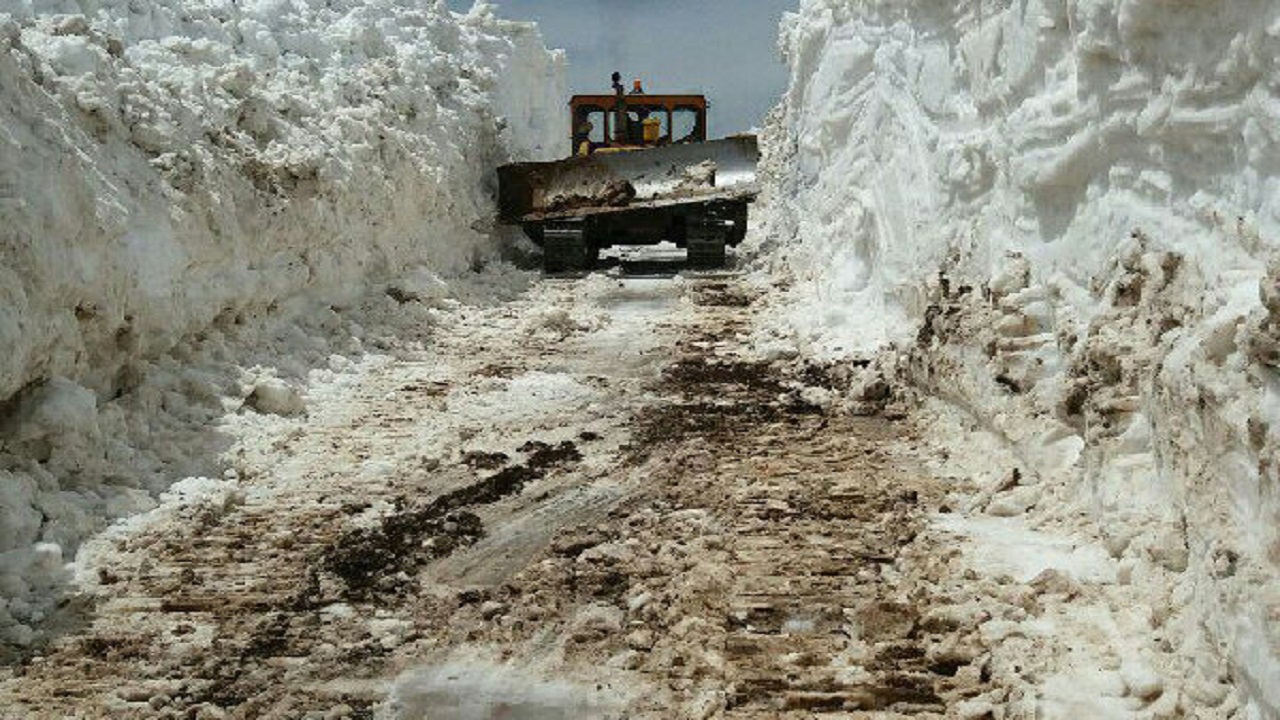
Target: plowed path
x,y
592,502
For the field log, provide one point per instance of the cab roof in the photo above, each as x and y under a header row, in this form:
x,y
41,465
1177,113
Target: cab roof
x,y
670,101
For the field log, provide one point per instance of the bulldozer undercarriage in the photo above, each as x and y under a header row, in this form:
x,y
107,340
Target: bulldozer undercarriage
x,y
705,244
567,246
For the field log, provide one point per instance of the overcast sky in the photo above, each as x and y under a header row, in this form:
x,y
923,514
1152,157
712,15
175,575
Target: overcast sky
x,y
724,49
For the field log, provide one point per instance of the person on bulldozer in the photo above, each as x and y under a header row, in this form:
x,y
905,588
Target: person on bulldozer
x,y
620,126
585,145
629,126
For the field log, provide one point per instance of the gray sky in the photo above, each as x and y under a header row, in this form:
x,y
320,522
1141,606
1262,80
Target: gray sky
x,y
724,49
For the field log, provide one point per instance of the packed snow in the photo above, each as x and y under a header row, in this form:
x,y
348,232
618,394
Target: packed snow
x,y
1062,218
197,199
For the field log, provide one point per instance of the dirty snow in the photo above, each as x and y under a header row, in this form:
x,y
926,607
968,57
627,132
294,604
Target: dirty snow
x,y
1062,220
197,199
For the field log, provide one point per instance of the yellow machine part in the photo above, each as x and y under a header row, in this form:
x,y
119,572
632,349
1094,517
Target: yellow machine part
x,y
652,130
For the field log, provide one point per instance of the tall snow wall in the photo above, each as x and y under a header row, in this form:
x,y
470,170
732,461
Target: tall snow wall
x,y
1064,216
171,168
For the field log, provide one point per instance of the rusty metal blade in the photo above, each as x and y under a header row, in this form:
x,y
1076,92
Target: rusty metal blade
x,y
604,182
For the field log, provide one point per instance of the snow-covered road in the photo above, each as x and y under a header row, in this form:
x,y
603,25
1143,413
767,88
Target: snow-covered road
x,y
598,500
184,594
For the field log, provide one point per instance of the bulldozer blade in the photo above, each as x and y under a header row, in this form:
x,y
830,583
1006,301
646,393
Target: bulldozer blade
x,y
607,182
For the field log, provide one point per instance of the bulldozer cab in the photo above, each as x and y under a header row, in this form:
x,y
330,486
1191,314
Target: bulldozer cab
x,y
619,123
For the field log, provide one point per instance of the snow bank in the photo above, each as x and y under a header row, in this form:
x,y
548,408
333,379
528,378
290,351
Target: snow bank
x,y
1065,215
171,172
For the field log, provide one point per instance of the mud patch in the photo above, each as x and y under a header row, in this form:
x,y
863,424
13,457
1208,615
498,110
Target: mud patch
x,y
118,648
543,456
701,420
828,376
477,460
722,294
698,373
720,398
497,370
376,561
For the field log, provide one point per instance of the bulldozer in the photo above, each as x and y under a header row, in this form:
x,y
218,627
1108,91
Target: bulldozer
x,y
641,171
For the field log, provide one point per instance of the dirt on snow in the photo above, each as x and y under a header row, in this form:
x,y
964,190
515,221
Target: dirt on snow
x,y
675,533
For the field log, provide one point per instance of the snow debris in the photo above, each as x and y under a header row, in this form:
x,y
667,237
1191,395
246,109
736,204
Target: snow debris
x,y
1064,219
193,187
57,413
561,323
422,286
276,397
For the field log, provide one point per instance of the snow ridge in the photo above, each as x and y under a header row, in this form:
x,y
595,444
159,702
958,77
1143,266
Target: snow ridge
x,y
1065,216
171,170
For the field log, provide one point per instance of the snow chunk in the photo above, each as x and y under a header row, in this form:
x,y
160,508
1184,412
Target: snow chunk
x,y
59,407
276,397
1007,546
421,285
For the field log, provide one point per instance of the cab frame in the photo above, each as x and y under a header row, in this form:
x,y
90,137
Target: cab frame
x,y
608,136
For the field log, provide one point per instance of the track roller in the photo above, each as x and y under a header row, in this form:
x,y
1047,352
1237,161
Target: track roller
x,y
565,248
705,243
